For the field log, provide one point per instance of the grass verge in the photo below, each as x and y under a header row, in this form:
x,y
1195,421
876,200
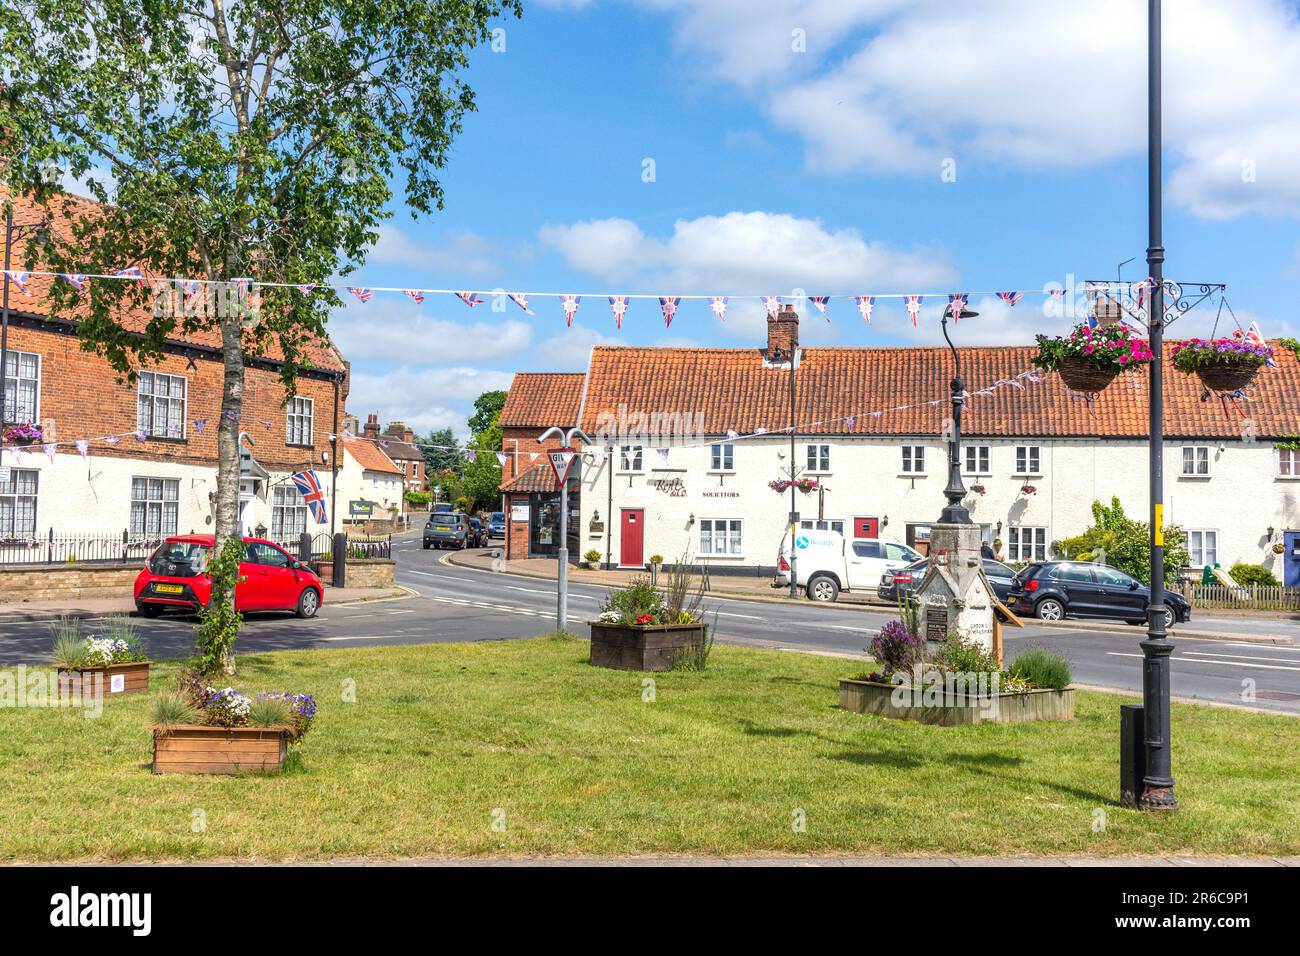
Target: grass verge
x,y
443,741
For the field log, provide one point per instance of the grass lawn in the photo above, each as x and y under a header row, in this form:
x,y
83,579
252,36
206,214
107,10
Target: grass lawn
x,y
441,736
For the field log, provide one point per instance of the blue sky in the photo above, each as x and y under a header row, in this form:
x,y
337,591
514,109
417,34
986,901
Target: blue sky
x,y
804,144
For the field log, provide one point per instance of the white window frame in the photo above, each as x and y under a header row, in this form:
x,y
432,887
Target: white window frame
x,y
152,377
1292,457
733,538
910,457
1029,460
980,454
631,459
1201,459
294,413
722,456
1196,547
1027,542
9,494
157,504
287,502
818,459
13,382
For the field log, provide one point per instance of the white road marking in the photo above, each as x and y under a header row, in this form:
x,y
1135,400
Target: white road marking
x,y
1248,657
1193,660
364,637
400,612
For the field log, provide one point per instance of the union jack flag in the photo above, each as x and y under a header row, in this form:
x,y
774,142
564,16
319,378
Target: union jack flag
x,y
469,298
309,487
363,295
772,303
669,305
521,300
570,305
131,272
914,307
1255,337
957,305
1011,298
306,287
866,303
20,279
618,305
75,279
415,295
819,303
718,304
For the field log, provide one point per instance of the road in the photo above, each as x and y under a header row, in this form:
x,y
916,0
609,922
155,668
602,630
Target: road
x,y
453,604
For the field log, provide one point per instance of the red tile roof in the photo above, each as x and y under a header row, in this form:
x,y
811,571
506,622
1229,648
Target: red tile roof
x,y
370,456
733,390
321,352
543,398
537,478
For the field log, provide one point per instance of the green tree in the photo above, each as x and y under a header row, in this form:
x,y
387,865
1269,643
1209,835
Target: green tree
x,y
241,138
481,479
1125,544
487,409
448,458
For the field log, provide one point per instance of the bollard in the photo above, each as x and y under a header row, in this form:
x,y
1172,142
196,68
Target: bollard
x,y
1132,753
340,559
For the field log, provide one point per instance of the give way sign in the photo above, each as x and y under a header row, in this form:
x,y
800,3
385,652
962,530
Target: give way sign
x,y
561,463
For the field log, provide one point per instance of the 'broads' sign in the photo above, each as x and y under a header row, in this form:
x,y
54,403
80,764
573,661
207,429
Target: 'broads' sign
x,y
102,909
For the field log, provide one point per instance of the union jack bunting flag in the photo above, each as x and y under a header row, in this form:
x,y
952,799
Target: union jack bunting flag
x,y
618,305
191,289
50,450
415,295
305,287
732,433
200,425
75,279
312,493
570,305
819,303
501,458
718,304
1011,298
241,288
131,272
469,298
1058,293
363,295
866,303
914,307
521,300
19,279
471,455
83,447
957,305
848,422
669,305
772,304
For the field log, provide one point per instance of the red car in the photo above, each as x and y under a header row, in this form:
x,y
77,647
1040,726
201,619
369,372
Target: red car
x,y
270,578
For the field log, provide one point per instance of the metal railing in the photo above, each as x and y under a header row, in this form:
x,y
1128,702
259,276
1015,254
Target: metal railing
x,y
87,548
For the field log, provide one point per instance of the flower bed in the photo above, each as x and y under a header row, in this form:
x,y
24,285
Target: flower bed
x,y
1223,365
642,629
113,663
1089,359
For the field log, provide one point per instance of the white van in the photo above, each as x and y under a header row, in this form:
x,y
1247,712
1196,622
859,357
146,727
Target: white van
x,y
827,564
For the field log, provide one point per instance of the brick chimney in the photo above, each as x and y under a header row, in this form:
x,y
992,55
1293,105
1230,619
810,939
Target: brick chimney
x,y
372,426
782,332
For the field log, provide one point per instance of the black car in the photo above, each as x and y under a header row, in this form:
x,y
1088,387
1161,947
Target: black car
x,y
903,581
447,529
1053,590
478,534
497,524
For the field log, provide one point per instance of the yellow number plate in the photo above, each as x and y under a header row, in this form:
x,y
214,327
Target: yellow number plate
x,y
168,588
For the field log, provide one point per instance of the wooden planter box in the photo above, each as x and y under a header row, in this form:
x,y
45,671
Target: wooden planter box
x,y
193,748
114,680
642,647
871,697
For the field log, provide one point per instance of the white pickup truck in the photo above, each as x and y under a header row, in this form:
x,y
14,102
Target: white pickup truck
x,y
828,564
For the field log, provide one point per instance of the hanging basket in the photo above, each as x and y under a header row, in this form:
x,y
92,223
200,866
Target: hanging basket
x,y
1080,375
1228,376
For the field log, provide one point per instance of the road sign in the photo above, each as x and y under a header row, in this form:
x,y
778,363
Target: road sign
x,y
562,460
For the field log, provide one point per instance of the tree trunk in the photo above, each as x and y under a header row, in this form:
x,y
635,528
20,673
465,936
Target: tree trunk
x,y
227,523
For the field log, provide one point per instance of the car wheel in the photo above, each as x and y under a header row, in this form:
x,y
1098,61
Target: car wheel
x,y
1049,609
822,588
308,603
426,546
1171,617
150,610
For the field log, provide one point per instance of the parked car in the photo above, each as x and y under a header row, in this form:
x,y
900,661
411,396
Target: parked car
x,y
497,525
896,584
1053,590
447,529
827,564
478,534
175,576
440,507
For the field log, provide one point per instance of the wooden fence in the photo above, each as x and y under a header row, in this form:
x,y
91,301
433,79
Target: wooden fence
x,y
1256,597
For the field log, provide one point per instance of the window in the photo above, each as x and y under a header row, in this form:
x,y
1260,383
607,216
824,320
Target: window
x,y
1111,577
1075,573
297,430
1026,544
868,549
155,505
1203,546
18,503
913,459
977,459
720,536
1288,462
722,457
819,457
1027,460
268,555
630,457
899,552
1196,461
822,524
161,405
288,512
22,380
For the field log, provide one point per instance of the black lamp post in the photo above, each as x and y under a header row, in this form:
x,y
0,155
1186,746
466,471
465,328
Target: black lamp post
x,y
41,231
955,512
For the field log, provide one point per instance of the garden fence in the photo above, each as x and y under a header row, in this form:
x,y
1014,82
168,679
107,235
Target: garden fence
x,y
1256,597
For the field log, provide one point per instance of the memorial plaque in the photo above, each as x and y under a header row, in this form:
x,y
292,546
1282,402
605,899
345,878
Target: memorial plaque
x,y
936,624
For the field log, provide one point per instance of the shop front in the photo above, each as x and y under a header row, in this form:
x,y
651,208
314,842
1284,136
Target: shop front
x,y
532,505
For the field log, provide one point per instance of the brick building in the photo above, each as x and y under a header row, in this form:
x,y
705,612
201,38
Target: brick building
x,y
148,465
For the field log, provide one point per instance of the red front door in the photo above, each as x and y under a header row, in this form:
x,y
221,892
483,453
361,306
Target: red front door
x,y
631,539
866,527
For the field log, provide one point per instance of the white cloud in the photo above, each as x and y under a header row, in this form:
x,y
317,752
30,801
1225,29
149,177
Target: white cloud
x,y
423,398
570,350
394,329
894,87
464,253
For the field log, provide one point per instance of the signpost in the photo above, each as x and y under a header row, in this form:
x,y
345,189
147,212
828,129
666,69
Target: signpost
x,y
562,460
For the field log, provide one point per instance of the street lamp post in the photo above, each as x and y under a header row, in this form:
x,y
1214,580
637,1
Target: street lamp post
x,y
12,231
955,512
794,511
